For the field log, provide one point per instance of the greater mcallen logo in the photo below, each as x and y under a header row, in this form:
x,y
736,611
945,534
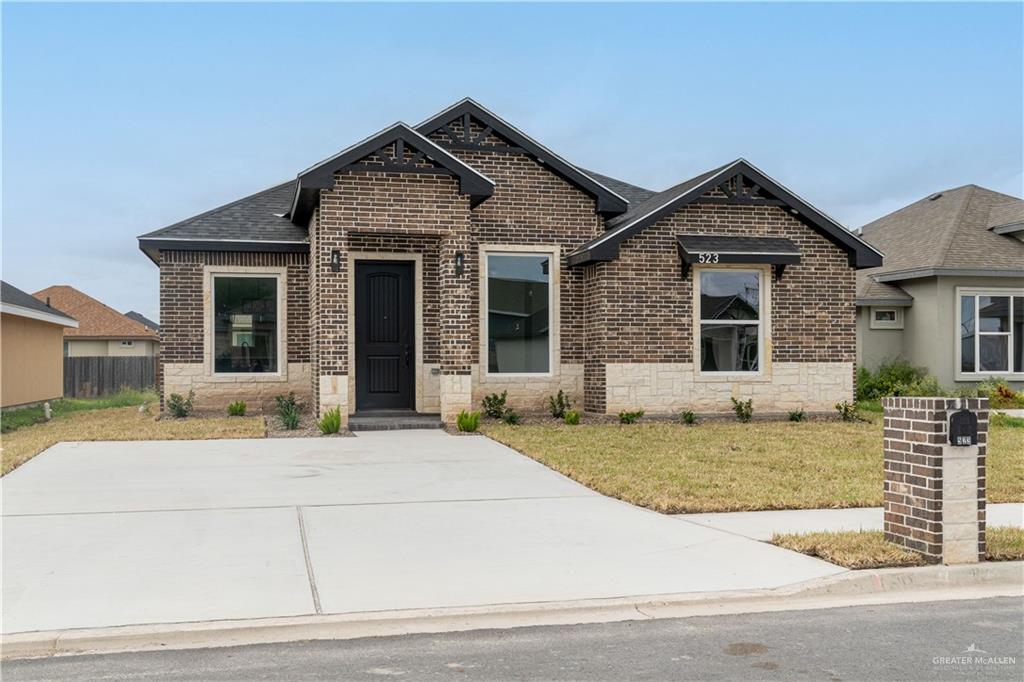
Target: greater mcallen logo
x,y
974,656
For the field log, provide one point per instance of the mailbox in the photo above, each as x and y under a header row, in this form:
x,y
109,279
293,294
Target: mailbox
x,y
963,428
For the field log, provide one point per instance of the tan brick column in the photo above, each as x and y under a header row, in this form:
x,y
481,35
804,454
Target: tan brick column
x,y
934,491
457,345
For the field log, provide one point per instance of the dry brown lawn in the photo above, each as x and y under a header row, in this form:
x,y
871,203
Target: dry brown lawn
x,y
124,423
851,549
728,466
1004,543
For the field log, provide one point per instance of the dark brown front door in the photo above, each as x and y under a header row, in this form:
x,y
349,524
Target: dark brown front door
x,y
385,340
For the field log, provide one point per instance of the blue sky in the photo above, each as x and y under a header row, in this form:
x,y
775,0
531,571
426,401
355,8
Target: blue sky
x,y
120,119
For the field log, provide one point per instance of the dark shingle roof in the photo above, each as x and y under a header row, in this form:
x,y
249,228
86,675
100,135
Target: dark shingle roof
x,y
947,230
252,218
12,295
631,193
139,317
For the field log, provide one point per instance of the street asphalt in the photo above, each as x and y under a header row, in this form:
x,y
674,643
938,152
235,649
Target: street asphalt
x,y
977,639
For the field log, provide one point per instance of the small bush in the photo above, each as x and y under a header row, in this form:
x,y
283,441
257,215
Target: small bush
x,y
626,417
847,411
688,417
744,409
896,378
559,404
572,417
468,421
180,407
330,422
796,416
288,411
494,405
236,409
1000,395
511,417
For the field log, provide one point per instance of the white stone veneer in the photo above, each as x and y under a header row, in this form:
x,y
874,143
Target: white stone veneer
x,y
672,387
215,392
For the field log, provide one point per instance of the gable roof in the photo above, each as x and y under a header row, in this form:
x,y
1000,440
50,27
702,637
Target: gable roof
x,y
321,175
14,301
946,232
255,222
632,193
139,317
95,319
608,201
663,204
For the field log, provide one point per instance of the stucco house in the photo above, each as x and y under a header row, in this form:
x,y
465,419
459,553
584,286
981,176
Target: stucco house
x,y
31,356
950,296
427,266
102,331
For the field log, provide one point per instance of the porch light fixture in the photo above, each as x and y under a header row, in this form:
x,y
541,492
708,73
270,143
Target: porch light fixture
x,y
335,260
460,263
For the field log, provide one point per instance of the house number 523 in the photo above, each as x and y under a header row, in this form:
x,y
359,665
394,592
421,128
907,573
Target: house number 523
x,y
707,258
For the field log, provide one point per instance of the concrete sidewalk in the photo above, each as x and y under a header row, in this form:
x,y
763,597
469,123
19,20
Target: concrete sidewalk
x,y
761,525
113,534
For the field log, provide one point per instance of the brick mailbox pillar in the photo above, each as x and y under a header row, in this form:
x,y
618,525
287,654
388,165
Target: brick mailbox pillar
x,y
935,490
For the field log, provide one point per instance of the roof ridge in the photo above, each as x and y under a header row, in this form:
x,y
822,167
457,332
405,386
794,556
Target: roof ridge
x,y
101,303
948,238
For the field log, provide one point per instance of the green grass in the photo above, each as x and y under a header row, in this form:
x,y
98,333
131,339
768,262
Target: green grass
x,y
870,549
728,466
11,420
1005,420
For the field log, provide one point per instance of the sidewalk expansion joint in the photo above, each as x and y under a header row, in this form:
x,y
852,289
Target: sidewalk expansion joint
x,y
309,564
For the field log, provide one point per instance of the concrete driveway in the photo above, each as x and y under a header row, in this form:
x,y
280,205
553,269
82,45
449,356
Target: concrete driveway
x,y
102,534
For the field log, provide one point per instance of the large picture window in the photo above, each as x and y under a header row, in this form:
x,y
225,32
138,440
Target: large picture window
x,y
991,334
730,320
245,328
518,313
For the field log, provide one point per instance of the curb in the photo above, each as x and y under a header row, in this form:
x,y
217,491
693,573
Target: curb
x,y
852,588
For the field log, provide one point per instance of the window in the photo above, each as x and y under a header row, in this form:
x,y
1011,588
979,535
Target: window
x,y
886,318
991,331
245,329
730,320
127,344
518,313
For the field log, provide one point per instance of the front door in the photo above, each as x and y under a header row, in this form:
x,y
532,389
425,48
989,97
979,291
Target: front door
x,y
385,341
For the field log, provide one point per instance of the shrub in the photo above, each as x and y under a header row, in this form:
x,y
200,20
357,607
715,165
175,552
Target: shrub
x,y
894,378
494,405
744,409
288,411
1000,395
630,417
847,411
331,421
180,407
511,417
237,409
796,416
688,417
559,404
572,417
468,421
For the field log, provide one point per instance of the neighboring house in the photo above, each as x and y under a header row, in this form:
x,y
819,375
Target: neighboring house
x,y
31,342
426,267
101,331
139,317
950,296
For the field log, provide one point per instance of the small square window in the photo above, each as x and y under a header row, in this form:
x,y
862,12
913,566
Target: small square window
x,y
127,344
886,318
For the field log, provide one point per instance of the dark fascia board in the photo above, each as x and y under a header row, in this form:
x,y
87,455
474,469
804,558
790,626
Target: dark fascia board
x,y
608,202
321,176
153,247
917,273
606,247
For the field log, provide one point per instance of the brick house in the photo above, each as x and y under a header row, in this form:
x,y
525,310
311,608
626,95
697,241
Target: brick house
x,y
428,266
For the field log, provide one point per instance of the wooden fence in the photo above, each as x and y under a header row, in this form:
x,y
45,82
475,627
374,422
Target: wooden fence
x,y
93,377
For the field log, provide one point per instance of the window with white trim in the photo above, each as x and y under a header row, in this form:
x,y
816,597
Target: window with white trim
x,y
731,320
127,343
519,304
245,324
991,331
886,318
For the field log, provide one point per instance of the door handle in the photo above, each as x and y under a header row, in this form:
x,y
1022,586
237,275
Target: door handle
x,y
408,355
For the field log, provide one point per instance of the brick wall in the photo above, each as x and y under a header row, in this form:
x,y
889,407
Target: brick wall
x,y
927,487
